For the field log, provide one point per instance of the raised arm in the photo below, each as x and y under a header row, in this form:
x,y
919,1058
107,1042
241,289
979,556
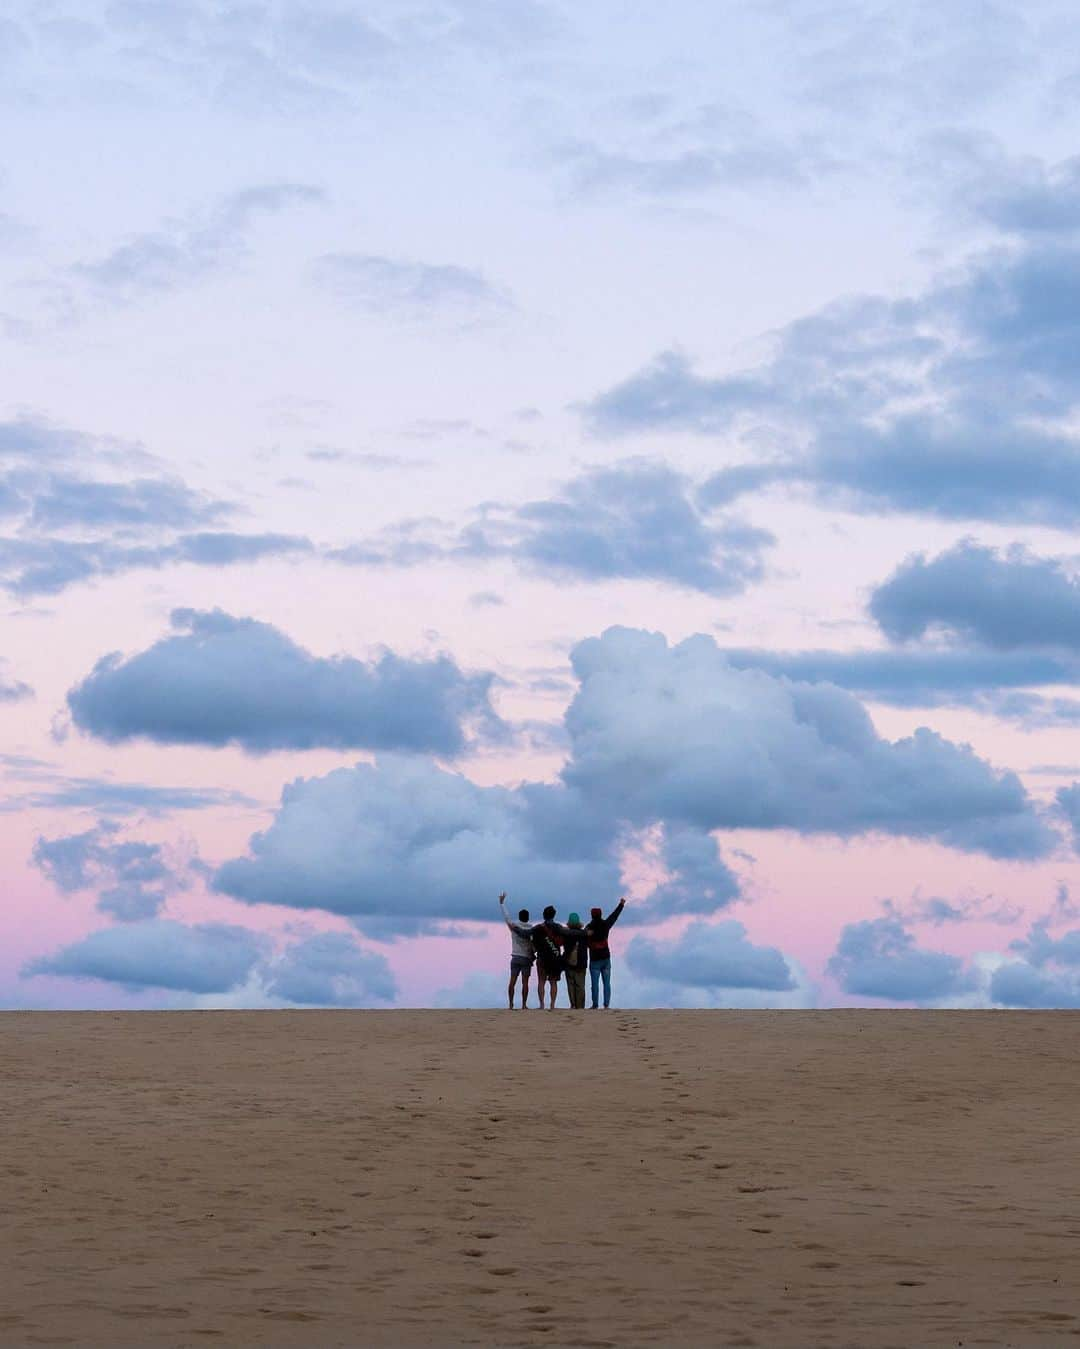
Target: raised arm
x,y
613,916
522,929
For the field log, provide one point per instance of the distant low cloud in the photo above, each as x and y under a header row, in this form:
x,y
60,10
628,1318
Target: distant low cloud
x,y
330,970
223,680
879,958
160,953
1044,970
711,955
326,969
1018,984
1004,601
405,289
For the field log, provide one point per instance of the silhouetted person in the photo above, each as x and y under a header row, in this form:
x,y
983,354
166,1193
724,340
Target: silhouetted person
x,y
596,930
548,938
575,960
521,953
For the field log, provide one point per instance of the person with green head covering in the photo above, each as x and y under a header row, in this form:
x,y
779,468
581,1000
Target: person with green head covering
x,y
575,959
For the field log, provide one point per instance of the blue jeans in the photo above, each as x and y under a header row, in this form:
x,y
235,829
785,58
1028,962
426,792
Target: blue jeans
x,y
598,969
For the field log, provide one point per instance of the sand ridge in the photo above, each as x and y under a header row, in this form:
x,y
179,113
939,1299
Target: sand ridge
x,y
842,1178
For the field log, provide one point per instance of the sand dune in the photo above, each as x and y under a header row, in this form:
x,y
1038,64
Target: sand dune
x,y
624,1178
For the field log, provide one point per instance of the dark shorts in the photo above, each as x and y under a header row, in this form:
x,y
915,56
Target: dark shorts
x,y
552,976
521,964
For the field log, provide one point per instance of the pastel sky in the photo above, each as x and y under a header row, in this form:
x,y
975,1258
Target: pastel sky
x,y
476,445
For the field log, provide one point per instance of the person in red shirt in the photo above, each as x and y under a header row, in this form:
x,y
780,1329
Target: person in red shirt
x,y
597,929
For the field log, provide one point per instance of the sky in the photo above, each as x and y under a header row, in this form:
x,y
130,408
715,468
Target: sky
x,y
470,446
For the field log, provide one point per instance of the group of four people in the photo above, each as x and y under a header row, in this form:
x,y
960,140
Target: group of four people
x,y
561,948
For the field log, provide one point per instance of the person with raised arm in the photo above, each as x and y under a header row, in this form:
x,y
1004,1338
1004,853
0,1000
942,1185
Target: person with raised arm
x,y
596,930
522,954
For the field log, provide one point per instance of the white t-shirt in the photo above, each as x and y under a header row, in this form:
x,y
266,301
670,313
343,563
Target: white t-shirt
x,y
520,940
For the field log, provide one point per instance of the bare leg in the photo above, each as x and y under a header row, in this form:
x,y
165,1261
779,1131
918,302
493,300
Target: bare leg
x,y
511,987
554,986
524,991
543,981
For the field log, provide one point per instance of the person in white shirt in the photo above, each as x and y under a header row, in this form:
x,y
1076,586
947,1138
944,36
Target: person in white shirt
x,y
522,954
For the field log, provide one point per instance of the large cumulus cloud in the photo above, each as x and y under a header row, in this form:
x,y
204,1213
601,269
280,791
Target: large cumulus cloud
x,y
222,680
675,733
402,846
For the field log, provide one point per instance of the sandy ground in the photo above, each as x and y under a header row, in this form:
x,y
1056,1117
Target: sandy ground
x,y
622,1178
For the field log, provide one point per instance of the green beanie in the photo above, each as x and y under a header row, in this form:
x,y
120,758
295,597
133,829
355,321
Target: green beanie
x,y
574,920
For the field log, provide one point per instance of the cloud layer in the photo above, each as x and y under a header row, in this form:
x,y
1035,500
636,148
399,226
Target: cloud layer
x,y
658,735
326,969
954,403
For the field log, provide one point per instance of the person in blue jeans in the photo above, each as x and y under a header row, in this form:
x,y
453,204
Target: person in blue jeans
x,y
596,930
